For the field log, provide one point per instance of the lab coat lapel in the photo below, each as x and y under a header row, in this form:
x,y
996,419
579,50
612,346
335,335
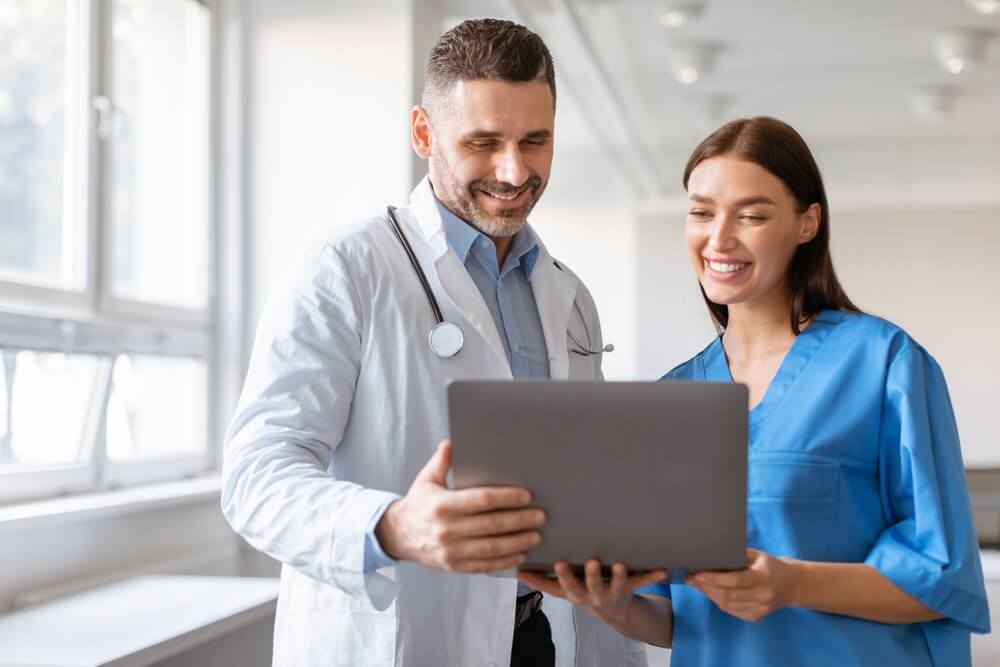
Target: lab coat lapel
x,y
455,280
555,290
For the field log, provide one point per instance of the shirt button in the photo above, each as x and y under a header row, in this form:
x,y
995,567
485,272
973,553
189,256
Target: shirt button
x,y
484,242
516,347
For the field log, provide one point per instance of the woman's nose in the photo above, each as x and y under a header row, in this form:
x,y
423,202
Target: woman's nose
x,y
721,237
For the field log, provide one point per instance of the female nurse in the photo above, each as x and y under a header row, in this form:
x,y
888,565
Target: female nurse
x,y
863,546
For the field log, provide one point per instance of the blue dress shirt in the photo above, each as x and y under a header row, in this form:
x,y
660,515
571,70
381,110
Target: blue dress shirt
x,y
508,296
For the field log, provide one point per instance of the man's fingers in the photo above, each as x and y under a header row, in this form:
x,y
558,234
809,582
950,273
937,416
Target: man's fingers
x,y
595,583
619,579
493,547
479,565
496,523
646,579
540,582
485,499
435,471
573,586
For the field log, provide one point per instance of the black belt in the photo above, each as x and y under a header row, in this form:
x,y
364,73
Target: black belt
x,y
526,607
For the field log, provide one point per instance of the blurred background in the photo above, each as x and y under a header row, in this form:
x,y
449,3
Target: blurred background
x,y
162,162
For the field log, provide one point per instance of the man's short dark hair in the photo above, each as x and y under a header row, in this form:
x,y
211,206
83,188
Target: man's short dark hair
x,y
490,49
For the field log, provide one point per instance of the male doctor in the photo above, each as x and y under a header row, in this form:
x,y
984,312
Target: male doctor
x,y
330,461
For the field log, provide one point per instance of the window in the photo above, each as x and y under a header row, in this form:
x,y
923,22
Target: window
x,y
106,244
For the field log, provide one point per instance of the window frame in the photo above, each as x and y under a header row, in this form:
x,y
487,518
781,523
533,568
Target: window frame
x,y
93,320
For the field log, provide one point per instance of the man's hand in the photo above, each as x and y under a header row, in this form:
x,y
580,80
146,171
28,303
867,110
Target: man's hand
x,y
482,529
611,601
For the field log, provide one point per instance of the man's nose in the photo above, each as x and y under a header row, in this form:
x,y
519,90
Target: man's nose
x,y
510,167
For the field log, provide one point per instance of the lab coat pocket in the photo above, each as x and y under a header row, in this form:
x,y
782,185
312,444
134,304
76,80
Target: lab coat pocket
x,y
792,508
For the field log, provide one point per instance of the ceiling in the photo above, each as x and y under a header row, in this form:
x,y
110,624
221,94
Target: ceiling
x,y
837,71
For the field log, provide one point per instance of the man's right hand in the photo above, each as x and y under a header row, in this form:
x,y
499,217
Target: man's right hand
x,y
482,529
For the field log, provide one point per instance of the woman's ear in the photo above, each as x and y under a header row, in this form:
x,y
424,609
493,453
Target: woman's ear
x,y
809,220
420,131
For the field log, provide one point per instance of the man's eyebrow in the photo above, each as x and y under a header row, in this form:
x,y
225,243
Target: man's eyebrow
x,y
493,134
481,134
539,134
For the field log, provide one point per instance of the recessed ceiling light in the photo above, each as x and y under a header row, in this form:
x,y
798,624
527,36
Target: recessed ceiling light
x,y
959,48
985,6
680,14
691,62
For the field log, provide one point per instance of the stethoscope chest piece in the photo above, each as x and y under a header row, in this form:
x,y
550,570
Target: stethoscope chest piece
x,y
446,339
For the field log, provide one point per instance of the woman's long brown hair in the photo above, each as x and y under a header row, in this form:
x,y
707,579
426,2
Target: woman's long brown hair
x,y
777,147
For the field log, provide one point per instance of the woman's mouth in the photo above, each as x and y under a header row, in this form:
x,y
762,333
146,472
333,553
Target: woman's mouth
x,y
726,271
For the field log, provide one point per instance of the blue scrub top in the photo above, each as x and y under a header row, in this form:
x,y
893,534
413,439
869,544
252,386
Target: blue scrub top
x,y
854,457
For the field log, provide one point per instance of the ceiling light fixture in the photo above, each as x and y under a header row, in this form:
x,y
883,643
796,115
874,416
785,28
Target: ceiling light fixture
x,y
691,62
985,6
680,14
959,48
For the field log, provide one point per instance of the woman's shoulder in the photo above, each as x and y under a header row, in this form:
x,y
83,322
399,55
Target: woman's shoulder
x,y
876,334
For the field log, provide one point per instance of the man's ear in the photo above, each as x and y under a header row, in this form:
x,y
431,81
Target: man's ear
x,y
420,131
810,223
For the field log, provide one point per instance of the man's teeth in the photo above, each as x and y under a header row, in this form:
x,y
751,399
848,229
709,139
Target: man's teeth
x,y
505,197
725,268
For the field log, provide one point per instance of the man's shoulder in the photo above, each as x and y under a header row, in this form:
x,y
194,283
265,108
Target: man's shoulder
x,y
358,236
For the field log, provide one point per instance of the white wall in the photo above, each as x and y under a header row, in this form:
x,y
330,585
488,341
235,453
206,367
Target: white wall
x,y
332,85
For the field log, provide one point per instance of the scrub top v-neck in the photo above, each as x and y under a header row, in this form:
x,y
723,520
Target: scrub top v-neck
x,y
853,457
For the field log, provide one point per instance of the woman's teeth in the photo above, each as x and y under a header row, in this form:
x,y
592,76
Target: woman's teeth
x,y
725,268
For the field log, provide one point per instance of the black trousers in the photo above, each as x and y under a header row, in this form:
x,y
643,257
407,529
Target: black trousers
x,y
533,643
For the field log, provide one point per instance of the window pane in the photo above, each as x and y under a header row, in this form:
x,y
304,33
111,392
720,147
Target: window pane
x,y
42,121
44,403
160,151
157,408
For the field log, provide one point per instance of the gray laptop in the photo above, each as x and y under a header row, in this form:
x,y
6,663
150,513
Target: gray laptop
x,y
652,474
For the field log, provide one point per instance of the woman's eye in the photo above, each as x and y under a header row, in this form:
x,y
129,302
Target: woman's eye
x,y
753,219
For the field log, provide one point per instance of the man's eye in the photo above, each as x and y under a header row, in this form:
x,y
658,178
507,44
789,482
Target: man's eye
x,y
698,214
482,145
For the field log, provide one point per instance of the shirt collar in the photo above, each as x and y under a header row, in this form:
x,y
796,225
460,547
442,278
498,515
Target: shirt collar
x,y
462,237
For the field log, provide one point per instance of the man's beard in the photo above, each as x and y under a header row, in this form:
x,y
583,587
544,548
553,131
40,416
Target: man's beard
x,y
461,200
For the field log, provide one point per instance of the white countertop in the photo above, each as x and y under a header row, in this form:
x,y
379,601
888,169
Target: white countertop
x,y
134,622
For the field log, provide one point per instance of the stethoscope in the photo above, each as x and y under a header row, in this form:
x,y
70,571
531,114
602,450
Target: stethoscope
x,y
446,338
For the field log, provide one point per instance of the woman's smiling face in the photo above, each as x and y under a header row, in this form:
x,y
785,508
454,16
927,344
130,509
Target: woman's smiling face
x,y
743,227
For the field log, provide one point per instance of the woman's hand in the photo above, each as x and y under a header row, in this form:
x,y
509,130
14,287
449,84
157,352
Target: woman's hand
x,y
609,601
765,586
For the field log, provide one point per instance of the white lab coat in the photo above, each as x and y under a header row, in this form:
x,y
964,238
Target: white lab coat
x,y
344,403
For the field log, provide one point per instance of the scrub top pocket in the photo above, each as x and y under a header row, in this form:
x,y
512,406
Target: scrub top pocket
x,y
792,506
